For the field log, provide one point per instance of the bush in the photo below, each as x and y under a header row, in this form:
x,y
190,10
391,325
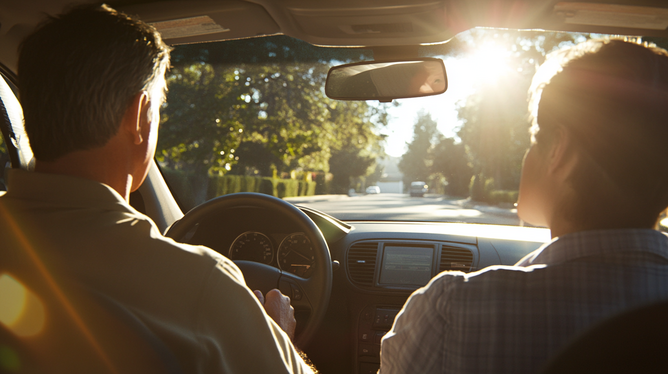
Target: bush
x,y
503,196
280,190
227,184
267,186
477,188
322,185
489,187
302,186
485,192
248,184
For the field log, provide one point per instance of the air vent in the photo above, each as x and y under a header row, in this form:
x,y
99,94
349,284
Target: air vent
x,y
362,262
454,258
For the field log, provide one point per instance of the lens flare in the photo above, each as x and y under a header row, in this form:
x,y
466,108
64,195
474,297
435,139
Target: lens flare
x,y
21,312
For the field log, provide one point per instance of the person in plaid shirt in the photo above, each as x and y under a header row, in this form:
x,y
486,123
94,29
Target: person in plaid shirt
x,y
596,175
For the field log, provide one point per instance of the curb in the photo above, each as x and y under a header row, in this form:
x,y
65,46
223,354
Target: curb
x,y
313,199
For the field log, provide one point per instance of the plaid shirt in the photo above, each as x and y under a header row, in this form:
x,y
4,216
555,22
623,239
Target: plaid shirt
x,y
511,319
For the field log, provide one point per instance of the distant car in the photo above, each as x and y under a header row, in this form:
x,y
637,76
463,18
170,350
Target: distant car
x,y
372,190
418,188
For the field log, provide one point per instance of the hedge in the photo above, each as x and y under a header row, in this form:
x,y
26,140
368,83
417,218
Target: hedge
x,y
281,188
503,196
483,190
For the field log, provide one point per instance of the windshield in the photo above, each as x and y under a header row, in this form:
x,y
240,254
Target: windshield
x,y
251,115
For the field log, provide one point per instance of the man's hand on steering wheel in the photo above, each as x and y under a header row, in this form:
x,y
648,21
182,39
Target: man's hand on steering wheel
x,y
279,309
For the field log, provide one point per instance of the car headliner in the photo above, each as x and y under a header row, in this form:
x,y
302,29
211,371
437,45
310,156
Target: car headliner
x,y
369,23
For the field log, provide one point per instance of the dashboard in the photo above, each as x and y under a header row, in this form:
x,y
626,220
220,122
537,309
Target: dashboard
x,y
377,265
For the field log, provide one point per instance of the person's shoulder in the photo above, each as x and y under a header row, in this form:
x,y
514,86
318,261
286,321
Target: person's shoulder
x,y
143,234
491,276
490,272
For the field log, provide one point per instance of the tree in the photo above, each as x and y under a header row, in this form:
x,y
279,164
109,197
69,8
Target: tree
x,y
266,115
451,161
495,120
495,130
416,163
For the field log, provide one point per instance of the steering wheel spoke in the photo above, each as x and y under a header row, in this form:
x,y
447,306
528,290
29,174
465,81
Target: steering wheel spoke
x,y
298,289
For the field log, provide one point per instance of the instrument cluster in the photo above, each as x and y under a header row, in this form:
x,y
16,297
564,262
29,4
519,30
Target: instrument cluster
x,y
293,254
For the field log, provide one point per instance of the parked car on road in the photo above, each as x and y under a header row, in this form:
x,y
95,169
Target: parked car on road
x,y
418,189
373,190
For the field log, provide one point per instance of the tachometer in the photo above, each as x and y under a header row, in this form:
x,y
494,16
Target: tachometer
x,y
295,255
252,246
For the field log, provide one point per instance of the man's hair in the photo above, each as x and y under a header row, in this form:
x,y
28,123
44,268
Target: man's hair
x,y
611,97
79,72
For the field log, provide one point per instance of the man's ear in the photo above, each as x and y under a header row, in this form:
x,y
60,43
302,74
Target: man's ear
x,y
561,156
135,119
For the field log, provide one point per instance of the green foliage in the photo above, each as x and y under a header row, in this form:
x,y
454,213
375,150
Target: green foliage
x,y
268,186
306,188
355,144
3,147
180,182
451,161
322,184
257,108
416,163
477,188
497,197
347,165
484,190
496,119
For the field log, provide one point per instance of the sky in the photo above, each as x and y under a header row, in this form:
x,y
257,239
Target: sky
x,y
464,74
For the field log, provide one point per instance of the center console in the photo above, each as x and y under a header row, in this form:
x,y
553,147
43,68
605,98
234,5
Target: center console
x,y
374,322
391,270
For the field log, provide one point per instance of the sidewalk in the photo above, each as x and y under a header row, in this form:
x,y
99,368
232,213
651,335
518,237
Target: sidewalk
x,y
483,207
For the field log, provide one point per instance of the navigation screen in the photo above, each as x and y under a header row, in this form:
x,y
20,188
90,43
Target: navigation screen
x,y
406,265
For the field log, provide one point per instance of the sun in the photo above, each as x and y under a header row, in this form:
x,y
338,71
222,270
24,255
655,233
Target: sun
x,y
487,63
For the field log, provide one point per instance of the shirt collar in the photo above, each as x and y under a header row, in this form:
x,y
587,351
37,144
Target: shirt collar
x,y
62,189
598,242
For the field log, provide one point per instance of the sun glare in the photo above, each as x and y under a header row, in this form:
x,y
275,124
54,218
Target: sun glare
x,y
487,63
467,73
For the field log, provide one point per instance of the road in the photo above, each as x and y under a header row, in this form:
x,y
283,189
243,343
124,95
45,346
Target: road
x,y
402,207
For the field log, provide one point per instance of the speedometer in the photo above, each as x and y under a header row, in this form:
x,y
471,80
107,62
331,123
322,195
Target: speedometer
x,y
295,255
252,246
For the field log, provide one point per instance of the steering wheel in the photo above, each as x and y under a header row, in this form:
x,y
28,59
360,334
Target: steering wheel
x,y
312,293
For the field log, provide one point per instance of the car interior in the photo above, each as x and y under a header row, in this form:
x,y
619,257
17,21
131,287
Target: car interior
x,y
347,294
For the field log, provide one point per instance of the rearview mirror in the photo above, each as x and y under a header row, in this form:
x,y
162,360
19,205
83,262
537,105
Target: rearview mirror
x,y
386,81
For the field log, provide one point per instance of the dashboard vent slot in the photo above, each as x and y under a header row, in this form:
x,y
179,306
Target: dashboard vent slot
x,y
454,258
362,262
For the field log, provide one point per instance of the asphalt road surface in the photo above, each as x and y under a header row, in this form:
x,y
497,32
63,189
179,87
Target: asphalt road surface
x,y
402,207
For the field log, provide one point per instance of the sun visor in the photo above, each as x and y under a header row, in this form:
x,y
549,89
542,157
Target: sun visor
x,y
368,24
